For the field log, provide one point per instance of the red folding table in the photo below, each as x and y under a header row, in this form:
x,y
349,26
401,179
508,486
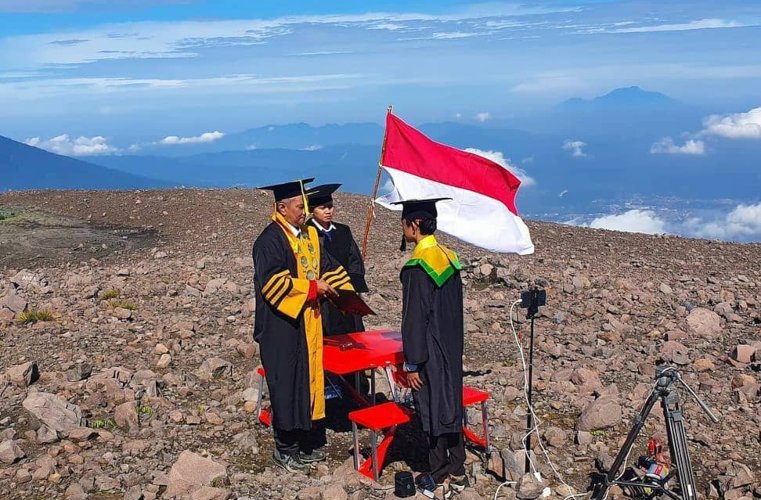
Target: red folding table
x,y
353,353
356,352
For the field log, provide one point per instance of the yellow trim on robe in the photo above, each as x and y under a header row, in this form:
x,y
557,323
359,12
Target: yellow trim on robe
x,y
437,260
306,249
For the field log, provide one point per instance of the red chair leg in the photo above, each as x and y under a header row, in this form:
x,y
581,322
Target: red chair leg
x,y
485,419
373,466
470,435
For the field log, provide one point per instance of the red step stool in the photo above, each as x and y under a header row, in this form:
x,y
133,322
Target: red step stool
x,y
379,418
471,397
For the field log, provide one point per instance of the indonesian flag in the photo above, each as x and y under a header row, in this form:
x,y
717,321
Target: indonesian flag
x,y
482,210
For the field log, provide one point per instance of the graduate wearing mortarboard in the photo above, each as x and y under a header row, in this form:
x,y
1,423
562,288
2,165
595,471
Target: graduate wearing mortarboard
x,y
338,241
291,274
432,336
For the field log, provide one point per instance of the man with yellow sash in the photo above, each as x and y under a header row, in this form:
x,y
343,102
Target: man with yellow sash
x,y
432,336
291,275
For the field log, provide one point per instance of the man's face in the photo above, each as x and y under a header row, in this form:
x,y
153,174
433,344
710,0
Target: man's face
x,y
323,214
409,229
293,210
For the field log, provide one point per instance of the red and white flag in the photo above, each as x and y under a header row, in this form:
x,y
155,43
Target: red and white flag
x,y
482,210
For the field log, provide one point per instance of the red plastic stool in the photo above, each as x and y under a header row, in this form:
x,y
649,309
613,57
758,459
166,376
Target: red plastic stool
x,y
380,418
471,397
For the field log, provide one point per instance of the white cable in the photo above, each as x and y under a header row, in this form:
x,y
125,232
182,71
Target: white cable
x,y
525,383
500,486
537,421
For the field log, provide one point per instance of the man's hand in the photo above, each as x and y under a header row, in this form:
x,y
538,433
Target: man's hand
x,y
416,382
325,290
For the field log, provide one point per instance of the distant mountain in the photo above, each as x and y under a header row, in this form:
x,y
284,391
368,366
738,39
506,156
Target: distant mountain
x,y
290,136
27,167
353,165
624,112
629,97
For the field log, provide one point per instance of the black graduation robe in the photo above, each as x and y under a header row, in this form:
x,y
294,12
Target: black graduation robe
x,y
286,325
340,244
432,334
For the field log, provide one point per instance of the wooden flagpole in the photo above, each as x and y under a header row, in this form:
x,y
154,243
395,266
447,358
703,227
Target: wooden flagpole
x,y
371,207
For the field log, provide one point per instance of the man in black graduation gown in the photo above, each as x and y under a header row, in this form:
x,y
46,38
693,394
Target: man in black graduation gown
x,y
338,241
291,274
432,335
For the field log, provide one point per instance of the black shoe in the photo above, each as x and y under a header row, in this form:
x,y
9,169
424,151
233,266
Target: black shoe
x,y
313,457
291,463
428,487
458,483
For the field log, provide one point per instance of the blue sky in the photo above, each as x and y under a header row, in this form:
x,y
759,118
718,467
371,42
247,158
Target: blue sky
x,y
145,70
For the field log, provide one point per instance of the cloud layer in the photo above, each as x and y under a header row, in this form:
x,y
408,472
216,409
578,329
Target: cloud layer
x,y
576,148
736,125
667,146
499,158
633,221
206,137
742,223
81,146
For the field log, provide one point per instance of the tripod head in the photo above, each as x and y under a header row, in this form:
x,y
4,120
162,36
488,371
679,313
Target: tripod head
x,y
666,376
532,300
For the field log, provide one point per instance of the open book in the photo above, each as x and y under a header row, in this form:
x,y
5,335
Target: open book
x,y
349,302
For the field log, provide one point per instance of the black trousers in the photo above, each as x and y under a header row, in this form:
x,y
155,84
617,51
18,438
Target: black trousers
x,y
446,456
296,440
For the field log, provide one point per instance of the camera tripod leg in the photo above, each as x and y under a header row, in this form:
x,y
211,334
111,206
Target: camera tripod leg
x,y
680,455
600,490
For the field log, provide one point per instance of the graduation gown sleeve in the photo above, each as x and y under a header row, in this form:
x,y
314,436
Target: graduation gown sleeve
x,y
334,273
273,277
417,296
355,267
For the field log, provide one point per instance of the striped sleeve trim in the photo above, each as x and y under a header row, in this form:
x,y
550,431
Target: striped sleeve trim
x,y
273,281
275,290
334,273
335,279
282,293
340,283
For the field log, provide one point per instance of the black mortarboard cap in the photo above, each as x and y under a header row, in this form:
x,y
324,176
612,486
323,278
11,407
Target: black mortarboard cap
x,y
321,195
288,189
419,209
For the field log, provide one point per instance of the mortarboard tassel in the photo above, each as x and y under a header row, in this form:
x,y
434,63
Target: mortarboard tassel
x,y
403,246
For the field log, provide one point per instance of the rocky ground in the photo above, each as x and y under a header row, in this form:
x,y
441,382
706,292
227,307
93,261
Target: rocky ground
x,y
141,381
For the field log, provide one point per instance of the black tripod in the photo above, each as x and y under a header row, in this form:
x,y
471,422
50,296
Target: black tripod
x,y
666,377
531,300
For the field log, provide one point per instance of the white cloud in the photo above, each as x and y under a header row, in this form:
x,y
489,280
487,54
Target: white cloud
x,y
633,221
550,84
667,146
81,146
199,139
313,147
387,26
692,25
53,6
189,38
735,126
499,158
744,222
576,148
484,116
452,35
